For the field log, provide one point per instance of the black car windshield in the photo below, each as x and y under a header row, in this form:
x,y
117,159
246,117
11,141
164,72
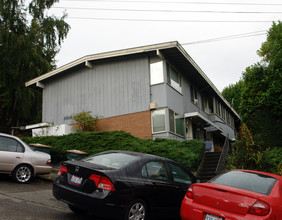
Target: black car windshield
x,y
111,160
246,180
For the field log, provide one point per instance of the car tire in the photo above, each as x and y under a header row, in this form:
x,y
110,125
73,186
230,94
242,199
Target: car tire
x,y
23,173
76,209
136,210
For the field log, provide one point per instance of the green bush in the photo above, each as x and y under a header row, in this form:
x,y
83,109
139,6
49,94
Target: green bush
x,y
189,153
84,121
272,160
246,155
249,155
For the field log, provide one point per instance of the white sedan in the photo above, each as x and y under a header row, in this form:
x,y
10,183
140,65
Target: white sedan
x,y
20,161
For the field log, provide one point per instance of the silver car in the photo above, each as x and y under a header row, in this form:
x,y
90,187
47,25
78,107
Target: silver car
x,y
19,160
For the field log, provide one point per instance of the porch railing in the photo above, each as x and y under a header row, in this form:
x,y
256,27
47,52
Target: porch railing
x,y
223,155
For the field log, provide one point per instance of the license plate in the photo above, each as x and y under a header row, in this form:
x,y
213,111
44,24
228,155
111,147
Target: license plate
x,y
76,180
212,217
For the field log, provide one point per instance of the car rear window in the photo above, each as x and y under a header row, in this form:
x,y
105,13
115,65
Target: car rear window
x,y
111,160
246,180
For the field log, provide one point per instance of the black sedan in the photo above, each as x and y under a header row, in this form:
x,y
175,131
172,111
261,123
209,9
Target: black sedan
x,y
123,185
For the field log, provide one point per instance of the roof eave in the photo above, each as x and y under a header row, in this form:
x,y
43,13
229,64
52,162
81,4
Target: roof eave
x,y
105,55
201,72
37,82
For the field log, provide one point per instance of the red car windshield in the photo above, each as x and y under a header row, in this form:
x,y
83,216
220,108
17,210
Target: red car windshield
x,y
246,180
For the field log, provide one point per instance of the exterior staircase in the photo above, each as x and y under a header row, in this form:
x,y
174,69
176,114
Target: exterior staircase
x,y
208,167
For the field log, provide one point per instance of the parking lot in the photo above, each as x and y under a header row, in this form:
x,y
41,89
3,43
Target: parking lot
x,y
32,201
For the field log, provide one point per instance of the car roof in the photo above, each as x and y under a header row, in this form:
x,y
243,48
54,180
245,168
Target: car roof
x,y
8,135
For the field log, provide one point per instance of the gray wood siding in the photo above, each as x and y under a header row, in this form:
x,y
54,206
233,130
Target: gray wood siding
x,y
175,100
114,87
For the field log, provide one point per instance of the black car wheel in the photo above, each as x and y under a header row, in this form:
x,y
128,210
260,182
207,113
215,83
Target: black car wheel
x,y
23,174
76,210
137,210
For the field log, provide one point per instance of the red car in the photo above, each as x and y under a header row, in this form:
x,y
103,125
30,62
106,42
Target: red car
x,y
235,195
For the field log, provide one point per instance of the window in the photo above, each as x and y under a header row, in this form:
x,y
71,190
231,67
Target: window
x,y
246,180
179,174
111,160
228,118
174,78
157,72
232,121
179,124
171,121
11,145
176,123
223,113
207,104
194,95
158,120
155,170
218,108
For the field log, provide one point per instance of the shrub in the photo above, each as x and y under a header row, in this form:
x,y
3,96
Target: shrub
x,y
246,155
189,153
272,160
84,121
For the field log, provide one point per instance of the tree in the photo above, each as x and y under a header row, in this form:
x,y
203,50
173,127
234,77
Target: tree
x,y
271,50
29,41
232,94
246,155
259,92
261,103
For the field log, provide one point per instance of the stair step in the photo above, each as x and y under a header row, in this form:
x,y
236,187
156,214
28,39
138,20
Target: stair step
x,y
207,170
206,177
212,154
210,161
208,166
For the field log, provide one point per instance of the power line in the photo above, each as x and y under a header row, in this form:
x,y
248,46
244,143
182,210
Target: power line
x,y
178,11
182,2
250,34
156,20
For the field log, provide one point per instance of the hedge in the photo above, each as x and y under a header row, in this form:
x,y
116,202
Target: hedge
x,y
189,153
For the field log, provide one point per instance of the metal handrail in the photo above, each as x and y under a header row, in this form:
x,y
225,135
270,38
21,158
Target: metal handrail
x,y
223,155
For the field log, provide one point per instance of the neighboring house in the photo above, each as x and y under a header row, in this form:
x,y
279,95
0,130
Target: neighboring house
x,y
151,91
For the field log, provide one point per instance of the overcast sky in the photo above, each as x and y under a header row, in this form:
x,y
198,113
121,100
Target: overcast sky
x,y
107,25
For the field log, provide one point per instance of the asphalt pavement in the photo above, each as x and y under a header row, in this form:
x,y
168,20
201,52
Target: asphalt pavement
x,y
51,176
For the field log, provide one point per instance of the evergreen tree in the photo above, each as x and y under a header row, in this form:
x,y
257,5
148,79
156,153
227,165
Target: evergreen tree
x,y
29,41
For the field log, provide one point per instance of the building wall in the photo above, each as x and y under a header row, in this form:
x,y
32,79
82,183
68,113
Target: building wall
x,y
138,124
167,97
113,87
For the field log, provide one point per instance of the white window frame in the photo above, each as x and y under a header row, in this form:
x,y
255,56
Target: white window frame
x,y
178,85
157,72
152,121
174,126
